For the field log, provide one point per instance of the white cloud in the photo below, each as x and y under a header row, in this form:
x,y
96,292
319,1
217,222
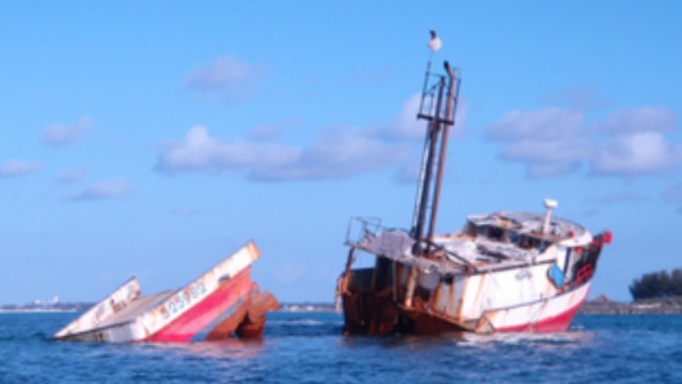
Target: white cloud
x,y
110,189
548,158
549,151
226,78
408,127
639,120
71,175
550,123
556,141
637,154
409,174
60,134
339,152
15,167
198,151
548,141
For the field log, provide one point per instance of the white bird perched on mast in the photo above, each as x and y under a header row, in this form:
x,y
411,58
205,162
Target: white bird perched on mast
x,y
434,43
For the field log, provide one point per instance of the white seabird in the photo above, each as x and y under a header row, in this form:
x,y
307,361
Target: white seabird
x,y
434,43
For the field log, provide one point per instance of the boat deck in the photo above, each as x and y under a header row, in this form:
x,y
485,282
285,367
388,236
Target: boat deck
x,y
486,242
136,308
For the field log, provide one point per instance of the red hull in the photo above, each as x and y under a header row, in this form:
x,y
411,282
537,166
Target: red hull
x,y
197,319
558,323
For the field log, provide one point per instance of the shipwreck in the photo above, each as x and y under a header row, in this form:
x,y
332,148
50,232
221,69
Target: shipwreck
x,y
222,303
501,272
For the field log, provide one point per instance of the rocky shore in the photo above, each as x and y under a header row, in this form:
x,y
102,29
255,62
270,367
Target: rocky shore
x,y
604,305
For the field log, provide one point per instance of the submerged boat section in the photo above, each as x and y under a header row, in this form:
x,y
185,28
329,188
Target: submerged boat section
x,y
222,302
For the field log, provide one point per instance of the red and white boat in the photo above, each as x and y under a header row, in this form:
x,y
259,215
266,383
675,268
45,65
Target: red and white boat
x,y
502,272
221,302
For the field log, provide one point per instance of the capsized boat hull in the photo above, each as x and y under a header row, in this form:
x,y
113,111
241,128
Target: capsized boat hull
x,y
215,306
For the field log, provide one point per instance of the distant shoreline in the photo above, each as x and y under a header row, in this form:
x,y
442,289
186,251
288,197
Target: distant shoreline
x,y
45,307
38,310
602,305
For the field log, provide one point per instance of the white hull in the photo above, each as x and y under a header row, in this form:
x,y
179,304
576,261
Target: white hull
x,y
553,314
529,290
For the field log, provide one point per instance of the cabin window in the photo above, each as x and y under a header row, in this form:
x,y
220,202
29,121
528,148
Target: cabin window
x,y
527,242
495,233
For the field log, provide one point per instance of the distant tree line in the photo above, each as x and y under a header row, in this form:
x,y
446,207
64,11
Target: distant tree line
x,y
657,284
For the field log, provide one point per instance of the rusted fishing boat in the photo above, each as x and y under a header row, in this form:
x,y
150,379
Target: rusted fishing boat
x,y
501,272
222,302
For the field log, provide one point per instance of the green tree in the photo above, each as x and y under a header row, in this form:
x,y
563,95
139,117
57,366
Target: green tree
x,y
676,282
657,284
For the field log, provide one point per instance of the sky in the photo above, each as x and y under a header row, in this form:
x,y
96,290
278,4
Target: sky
x,y
155,138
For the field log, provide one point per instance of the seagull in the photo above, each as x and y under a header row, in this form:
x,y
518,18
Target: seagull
x,y
434,43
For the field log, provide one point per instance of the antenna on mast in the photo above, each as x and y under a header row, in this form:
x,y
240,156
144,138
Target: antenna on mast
x,y
439,114
434,45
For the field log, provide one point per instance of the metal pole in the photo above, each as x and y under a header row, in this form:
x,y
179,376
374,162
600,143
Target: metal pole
x,y
420,185
443,148
425,154
434,127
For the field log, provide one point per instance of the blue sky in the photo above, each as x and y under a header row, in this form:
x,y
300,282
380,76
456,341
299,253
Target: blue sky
x,y
154,138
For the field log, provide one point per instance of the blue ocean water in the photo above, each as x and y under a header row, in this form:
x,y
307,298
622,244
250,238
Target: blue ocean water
x,y
309,348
